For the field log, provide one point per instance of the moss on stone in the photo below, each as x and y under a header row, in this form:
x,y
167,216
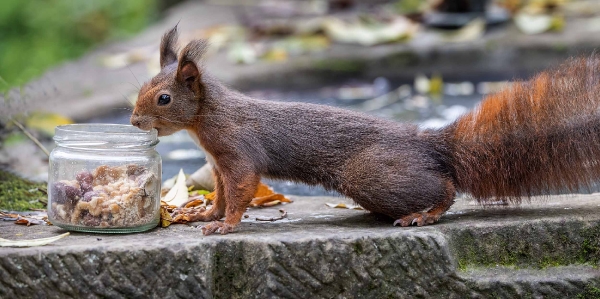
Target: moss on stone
x,y
358,249
17,194
591,291
589,252
539,245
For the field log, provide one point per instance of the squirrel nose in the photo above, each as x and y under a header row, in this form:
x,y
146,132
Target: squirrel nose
x,y
135,120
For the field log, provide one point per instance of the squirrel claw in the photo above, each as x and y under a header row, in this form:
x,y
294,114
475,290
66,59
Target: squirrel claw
x,y
419,219
215,226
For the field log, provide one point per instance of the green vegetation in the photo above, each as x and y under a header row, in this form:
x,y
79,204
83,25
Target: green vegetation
x,y
410,6
589,251
17,194
38,34
590,292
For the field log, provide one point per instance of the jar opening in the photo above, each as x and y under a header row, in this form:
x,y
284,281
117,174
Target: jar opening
x,y
104,136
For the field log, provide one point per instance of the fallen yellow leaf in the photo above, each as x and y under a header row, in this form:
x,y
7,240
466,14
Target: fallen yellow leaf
x,y
165,216
344,206
46,122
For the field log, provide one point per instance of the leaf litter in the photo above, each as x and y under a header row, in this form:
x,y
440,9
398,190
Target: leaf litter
x,y
188,202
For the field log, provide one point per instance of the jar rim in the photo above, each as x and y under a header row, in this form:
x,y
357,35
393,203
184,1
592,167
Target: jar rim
x,y
103,128
104,136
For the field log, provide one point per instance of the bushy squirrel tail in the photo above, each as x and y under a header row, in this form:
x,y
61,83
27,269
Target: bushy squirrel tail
x,y
535,137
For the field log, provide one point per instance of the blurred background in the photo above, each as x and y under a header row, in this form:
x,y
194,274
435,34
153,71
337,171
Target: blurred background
x,y
423,61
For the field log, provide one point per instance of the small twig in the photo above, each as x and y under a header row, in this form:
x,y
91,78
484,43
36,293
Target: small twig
x,y
35,140
283,215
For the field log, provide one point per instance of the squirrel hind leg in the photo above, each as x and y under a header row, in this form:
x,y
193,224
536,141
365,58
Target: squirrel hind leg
x,y
432,215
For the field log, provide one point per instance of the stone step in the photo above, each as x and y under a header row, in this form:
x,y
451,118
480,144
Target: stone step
x,y
321,252
554,282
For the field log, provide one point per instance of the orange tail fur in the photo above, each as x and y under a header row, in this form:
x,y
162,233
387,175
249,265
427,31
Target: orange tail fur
x,y
535,137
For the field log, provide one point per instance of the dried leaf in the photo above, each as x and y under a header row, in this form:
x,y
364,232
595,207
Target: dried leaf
x,y
9,217
263,190
46,122
178,195
471,31
165,216
30,243
210,196
369,34
194,203
266,197
271,203
533,23
167,206
344,206
22,221
28,221
267,201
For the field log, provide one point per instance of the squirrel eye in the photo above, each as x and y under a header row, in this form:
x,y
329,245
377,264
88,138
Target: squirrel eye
x,y
164,99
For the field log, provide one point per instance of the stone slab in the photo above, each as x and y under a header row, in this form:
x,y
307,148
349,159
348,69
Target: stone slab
x,y
321,252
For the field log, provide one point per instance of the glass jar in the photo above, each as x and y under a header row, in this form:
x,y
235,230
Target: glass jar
x,y
104,178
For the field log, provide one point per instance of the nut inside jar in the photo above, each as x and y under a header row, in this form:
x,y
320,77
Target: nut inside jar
x,y
118,196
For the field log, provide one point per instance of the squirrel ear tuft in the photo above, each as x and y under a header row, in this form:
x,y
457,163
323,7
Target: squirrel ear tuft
x,y
188,70
168,48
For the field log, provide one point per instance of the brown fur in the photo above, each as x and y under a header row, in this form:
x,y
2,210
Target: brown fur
x,y
387,167
536,137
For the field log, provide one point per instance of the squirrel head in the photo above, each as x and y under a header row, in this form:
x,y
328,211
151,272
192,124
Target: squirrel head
x,y
171,100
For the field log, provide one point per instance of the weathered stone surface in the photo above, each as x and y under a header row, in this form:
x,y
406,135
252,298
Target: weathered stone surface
x,y
539,250
558,282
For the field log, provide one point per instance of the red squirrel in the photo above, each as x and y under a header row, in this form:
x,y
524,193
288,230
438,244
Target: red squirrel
x,y
534,137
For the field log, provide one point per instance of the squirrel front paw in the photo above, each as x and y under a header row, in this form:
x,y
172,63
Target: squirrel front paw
x,y
221,227
197,214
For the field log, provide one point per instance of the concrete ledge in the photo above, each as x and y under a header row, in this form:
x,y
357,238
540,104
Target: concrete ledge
x,y
319,252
